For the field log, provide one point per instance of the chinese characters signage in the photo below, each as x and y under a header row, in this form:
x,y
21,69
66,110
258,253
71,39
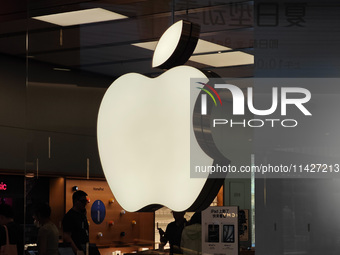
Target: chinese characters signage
x,y
220,230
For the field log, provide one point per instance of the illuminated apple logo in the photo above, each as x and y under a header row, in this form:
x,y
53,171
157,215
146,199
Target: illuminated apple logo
x,y
145,138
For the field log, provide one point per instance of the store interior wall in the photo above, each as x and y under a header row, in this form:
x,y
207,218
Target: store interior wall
x,y
12,113
45,127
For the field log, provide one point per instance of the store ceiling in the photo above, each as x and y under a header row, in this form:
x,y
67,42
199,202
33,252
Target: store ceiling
x,y
107,48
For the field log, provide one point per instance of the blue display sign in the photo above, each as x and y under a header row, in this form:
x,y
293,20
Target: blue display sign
x,y
98,211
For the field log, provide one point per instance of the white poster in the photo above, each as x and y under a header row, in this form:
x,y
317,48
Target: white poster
x,y
220,231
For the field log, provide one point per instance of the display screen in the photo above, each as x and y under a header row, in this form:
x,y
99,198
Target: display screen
x,y
213,233
228,233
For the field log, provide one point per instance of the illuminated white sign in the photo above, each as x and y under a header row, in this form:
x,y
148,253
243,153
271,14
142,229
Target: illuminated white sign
x,y
144,140
144,133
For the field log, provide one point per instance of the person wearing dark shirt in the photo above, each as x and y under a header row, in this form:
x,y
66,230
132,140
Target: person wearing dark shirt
x,y
75,225
173,233
15,232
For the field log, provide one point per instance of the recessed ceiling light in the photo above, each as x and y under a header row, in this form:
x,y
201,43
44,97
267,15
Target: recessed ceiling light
x,y
146,45
80,17
219,59
205,47
202,46
234,58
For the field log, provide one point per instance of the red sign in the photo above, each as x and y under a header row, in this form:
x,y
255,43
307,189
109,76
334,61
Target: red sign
x,y
3,186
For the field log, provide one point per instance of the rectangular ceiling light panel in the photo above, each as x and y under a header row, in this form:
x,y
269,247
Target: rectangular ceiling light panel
x,y
234,58
147,45
202,46
80,17
205,47
221,56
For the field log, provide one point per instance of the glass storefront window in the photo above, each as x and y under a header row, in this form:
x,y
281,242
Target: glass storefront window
x,y
55,69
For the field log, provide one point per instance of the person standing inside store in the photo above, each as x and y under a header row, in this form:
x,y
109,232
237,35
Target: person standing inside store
x,y
48,234
15,233
173,233
75,225
191,242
